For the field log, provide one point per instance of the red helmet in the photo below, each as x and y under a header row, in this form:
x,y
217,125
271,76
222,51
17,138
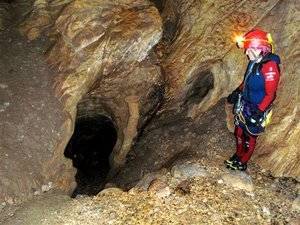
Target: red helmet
x,y
256,38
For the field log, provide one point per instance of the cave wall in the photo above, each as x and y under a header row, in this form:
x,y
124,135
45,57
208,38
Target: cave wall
x,y
103,57
100,50
204,42
4,15
205,32
277,149
104,42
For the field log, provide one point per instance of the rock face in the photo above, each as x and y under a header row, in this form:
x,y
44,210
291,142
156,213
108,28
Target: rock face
x,y
101,53
102,63
188,170
239,180
31,120
201,66
43,15
205,32
4,15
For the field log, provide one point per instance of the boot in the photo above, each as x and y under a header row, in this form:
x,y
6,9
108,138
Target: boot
x,y
232,159
237,165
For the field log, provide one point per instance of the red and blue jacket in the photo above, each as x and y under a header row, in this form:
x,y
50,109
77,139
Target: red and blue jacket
x,y
261,81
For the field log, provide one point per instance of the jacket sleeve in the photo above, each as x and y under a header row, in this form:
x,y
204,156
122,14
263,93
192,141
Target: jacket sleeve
x,y
271,77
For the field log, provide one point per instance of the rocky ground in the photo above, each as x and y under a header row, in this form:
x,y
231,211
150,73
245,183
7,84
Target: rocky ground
x,y
208,198
192,189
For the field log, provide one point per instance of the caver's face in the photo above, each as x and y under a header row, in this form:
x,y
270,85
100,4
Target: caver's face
x,y
253,53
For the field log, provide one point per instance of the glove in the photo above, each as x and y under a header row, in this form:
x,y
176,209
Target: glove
x,y
257,117
234,96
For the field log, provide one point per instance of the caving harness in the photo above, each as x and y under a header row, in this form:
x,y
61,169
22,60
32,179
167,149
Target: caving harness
x,y
253,127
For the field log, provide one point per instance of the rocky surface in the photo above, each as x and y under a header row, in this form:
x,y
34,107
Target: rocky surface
x,y
296,204
41,18
200,200
107,58
238,180
5,16
31,118
188,170
105,65
199,59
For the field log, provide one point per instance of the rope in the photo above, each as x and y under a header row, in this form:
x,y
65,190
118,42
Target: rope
x,y
243,120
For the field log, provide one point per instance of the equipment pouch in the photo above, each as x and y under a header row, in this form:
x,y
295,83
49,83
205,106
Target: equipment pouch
x,y
267,118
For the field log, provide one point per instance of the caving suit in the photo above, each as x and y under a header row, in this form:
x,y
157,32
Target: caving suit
x,y
258,91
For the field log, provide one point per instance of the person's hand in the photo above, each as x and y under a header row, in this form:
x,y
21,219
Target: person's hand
x,y
233,97
257,116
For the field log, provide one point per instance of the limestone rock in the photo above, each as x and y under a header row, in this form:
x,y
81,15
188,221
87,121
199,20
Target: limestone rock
x,y
47,187
266,212
188,170
43,15
109,185
145,182
159,188
101,58
296,204
203,39
109,42
32,122
184,187
111,190
239,180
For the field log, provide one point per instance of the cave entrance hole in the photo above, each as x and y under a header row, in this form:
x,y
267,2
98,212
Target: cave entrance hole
x,y
89,148
201,84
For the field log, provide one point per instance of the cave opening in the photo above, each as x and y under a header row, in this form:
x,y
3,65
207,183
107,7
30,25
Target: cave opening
x,y
89,148
203,82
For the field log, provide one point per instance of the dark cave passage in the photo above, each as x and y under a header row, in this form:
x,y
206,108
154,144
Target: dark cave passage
x,y
200,86
159,4
89,148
